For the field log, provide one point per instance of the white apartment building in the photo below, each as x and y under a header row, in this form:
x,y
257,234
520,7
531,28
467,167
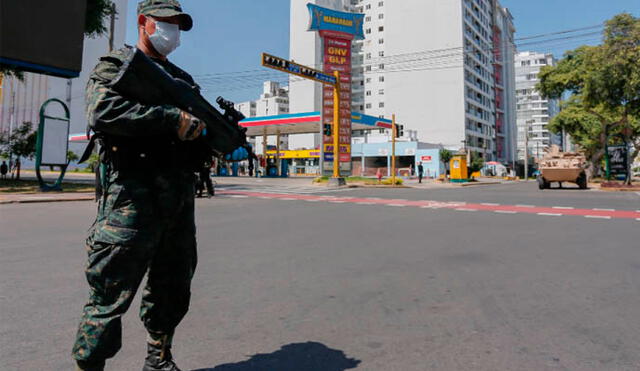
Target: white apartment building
x,y
443,67
534,111
273,101
21,100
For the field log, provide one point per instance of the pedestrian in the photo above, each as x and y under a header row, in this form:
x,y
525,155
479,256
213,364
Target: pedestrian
x,y
251,167
379,175
4,169
145,223
420,171
205,179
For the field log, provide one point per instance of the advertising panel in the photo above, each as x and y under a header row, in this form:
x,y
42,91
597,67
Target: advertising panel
x,y
337,57
618,157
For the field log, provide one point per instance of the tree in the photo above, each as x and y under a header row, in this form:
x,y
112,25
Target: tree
x,y
477,162
71,156
604,82
445,157
97,12
20,144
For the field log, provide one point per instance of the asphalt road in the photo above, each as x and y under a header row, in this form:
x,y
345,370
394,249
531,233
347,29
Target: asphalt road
x,y
286,284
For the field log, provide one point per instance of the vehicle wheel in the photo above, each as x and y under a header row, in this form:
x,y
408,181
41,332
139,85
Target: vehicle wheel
x,y
542,184
582,181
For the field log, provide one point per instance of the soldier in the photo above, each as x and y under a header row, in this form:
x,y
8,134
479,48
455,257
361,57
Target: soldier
x,y
145,220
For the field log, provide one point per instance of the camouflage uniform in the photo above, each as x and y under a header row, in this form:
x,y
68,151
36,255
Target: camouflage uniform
x,y
145,220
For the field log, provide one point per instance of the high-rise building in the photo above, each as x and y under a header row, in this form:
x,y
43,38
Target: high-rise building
x,y
534,111
445,68
274,100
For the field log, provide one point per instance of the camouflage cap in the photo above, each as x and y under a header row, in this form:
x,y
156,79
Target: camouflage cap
x,y
166,8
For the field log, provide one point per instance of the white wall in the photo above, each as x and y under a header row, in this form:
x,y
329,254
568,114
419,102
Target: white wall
x,y
429,101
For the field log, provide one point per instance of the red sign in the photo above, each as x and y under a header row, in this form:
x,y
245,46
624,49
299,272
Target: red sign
x,y
426,158
337,57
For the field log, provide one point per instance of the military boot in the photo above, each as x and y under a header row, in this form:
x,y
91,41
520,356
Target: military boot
x,y
159,356
86,366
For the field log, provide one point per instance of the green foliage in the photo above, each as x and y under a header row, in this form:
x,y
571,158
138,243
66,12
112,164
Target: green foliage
x,y
93,161
477,162
72,157
97,12
21,143
604,82
445,155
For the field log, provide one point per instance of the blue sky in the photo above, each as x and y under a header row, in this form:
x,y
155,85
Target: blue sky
x,y
229,35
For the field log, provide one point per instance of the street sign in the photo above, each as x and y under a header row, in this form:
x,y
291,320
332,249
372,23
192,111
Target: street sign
x,y
293,68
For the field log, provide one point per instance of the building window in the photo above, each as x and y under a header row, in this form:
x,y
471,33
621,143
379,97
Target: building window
x,y
381,16
368,55
368,68
381,104
368,105
381,66
381,53
368,31
380,41
381,78
381,3
368,80
368,93
381,92
368,6
381,28
368,19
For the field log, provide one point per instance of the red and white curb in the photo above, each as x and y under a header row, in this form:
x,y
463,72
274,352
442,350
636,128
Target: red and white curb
x,y
552,211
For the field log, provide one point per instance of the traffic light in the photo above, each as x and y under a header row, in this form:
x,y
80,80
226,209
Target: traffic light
x,y
270,60
327,130
399,131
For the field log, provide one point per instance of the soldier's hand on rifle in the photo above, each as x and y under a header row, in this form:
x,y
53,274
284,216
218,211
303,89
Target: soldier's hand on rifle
x,y
189,127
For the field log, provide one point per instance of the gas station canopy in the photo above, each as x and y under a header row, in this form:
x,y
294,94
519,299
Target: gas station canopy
x,y
295,123
305,123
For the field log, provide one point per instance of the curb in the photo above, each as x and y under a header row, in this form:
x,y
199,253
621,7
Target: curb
x,y
46,200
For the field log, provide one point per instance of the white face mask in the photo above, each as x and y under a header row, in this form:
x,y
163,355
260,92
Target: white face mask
x,y
166,39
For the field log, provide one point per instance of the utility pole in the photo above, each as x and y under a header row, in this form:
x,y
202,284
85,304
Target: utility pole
x,y
12,119
336,126
112,27
394,128
526,152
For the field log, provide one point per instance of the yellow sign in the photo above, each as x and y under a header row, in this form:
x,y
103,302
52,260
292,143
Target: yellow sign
x,y
304,153
338,21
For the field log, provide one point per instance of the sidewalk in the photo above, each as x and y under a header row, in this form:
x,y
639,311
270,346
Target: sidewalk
x,y
22,198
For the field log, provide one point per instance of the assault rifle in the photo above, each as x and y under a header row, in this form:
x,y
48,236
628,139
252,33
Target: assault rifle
x,y
144,81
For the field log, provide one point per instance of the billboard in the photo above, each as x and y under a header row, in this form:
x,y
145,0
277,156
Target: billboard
x,y
618,159
43,36
337,30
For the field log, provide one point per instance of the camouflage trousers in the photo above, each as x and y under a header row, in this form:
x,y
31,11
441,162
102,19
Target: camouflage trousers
x,y
145,225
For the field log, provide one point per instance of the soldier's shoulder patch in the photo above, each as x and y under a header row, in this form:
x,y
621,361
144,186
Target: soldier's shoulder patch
x,y
109,66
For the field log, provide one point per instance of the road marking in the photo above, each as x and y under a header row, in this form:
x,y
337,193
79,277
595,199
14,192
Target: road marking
x,y
604,210
396,205
464,209
505,212
265,198
312,200
638,220
563,207
530,206
549,214
287,199
239,196
365,203
489,204
597,217
338,202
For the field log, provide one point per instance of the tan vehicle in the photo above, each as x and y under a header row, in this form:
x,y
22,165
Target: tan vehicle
x,y
561,167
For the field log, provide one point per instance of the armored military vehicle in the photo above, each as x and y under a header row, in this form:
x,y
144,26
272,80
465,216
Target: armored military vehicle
x,y
559,167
